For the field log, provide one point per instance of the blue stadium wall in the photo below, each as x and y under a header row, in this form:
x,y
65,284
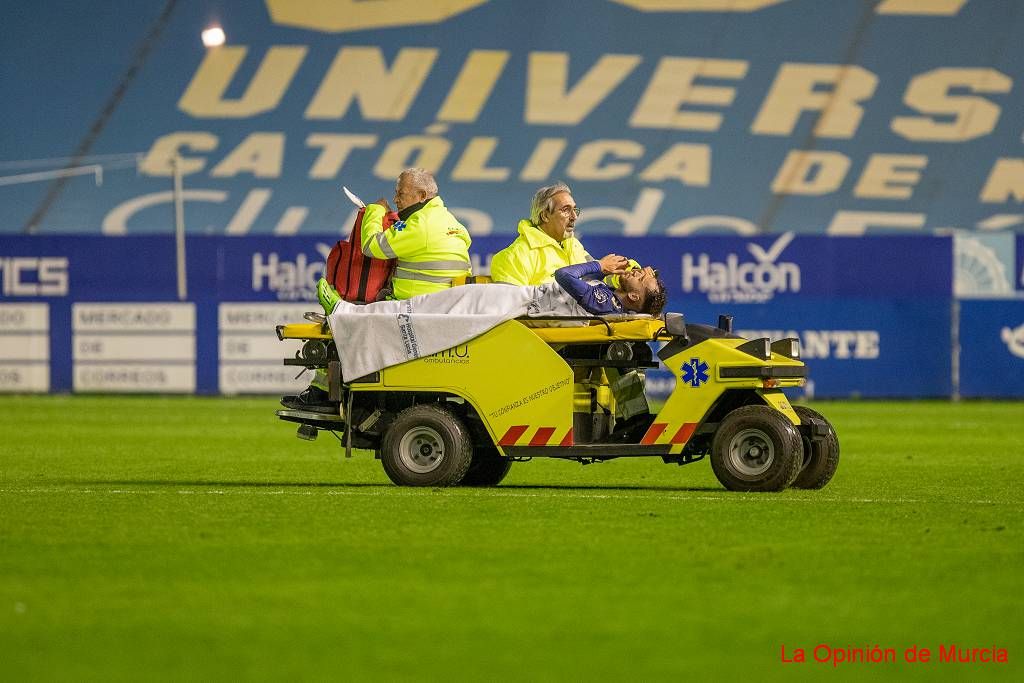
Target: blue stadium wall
x,y
851,172
875,315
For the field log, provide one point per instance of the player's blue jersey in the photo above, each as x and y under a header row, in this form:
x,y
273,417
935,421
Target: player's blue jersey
x,y
582,282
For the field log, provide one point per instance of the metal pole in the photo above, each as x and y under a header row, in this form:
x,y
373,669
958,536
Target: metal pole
x,y
179,229
94,169
955,338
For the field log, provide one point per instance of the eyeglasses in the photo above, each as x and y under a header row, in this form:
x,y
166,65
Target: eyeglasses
x,y
567,211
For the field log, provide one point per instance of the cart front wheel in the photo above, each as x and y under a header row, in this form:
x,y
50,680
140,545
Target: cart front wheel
x,y
756,448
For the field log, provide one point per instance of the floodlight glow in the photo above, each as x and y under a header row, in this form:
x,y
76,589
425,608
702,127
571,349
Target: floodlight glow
x,y
213,36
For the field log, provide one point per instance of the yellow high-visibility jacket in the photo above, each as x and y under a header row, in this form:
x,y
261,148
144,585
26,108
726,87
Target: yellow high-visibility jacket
x,y
534,256
430,245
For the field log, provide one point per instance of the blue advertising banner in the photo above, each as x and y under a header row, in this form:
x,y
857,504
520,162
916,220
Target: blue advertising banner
x,y
667,117
992,339
873,314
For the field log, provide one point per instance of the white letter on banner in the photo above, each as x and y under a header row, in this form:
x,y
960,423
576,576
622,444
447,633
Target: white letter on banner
x,y
795,91
689,164
973,117
1005,182
550,101
688,226
673,85
945,8
811,172
167,147
473,86
425,151
908,7
116,221
359,73
259,153
858,222
698,5
472,165
543,159
890,176
336,148
338,16
589,162
204,97
635,222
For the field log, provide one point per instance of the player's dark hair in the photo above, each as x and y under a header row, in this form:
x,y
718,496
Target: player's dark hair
x,y
656,301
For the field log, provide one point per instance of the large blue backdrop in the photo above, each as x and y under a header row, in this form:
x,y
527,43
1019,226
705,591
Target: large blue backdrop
x,y
876,315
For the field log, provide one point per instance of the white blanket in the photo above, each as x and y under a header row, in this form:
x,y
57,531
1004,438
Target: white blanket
x,y
375,336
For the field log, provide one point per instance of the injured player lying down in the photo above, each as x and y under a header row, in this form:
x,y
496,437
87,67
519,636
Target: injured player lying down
x,y
374,336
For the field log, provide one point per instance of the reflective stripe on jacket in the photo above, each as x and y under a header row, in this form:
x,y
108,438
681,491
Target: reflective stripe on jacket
x,y
430,245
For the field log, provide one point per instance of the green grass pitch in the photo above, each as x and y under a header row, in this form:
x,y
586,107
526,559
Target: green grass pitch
x,y
197,538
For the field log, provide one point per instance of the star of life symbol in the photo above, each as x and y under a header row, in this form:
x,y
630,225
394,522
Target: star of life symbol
x,y
695,372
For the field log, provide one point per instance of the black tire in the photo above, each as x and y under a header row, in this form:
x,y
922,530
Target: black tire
x,y
756,448
487,469
426,445
821,458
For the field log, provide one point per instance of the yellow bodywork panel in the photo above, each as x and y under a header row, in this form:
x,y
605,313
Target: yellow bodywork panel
x,y
776,399
519,386
304,331
699,384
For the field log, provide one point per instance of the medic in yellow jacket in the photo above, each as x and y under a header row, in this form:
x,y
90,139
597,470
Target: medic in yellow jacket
x,y
546,243
534,256
431,246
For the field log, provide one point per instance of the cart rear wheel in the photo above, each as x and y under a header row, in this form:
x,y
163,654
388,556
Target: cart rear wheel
x,y
756,448
487,469
426,445
821,458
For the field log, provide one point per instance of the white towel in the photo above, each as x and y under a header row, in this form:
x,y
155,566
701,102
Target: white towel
x,y
375,336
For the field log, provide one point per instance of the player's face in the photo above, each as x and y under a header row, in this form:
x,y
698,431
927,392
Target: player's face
x,y
639,284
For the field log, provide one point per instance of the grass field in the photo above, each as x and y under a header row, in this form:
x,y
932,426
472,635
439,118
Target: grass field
x,y
197,538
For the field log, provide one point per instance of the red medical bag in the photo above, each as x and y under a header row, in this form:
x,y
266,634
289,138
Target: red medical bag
x,y
357,277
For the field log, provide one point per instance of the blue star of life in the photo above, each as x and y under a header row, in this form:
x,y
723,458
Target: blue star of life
x,y
695,372
398,225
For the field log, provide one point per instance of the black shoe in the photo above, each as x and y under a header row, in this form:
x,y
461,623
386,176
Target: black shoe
x,y
313,399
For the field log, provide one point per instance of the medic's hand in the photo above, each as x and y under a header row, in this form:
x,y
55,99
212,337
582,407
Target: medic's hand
x,y
613,264
384,202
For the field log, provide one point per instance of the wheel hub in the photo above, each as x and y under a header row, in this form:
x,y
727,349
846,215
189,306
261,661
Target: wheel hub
x,y
751,453
421,449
